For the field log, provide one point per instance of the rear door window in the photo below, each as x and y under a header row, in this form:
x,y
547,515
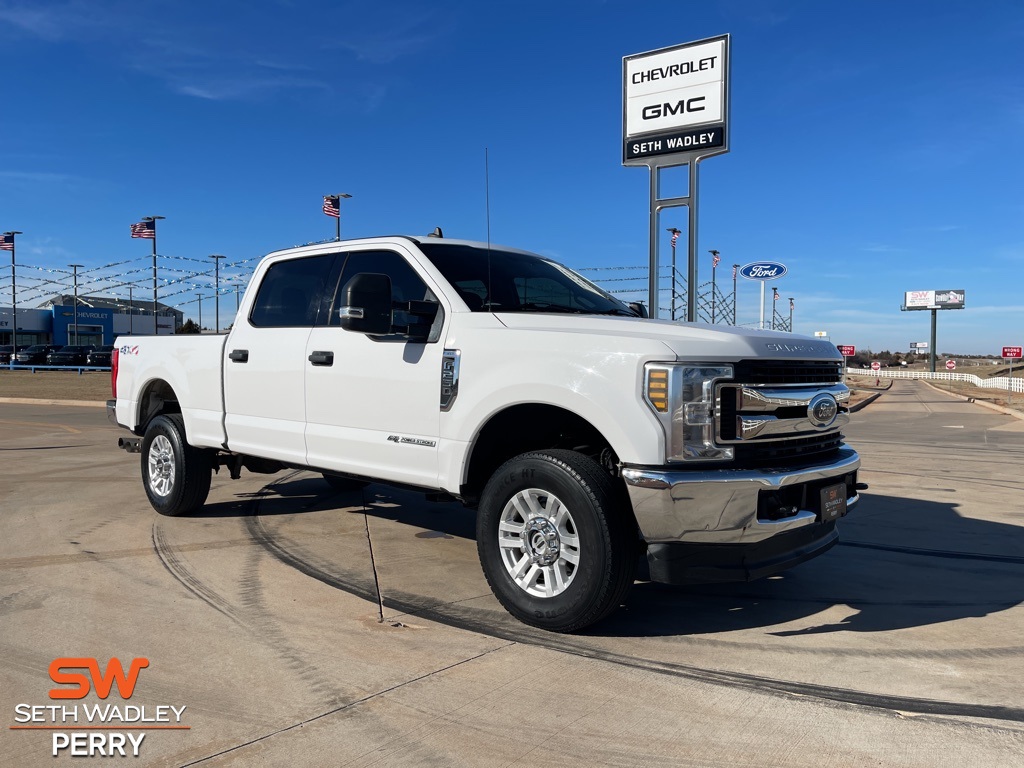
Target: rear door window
x,y
291,292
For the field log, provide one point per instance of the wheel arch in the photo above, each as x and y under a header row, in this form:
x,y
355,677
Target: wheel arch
x,y
157,398
528,427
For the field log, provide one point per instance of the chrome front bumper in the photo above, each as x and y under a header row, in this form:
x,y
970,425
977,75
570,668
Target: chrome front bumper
x,y
719,506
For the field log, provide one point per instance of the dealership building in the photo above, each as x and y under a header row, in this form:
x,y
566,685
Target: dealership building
x,y
93,320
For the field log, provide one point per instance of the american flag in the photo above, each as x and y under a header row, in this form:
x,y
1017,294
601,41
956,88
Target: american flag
x,y
332,206
675,236
146,229
790,305
734,271
775,294
6,242
715,259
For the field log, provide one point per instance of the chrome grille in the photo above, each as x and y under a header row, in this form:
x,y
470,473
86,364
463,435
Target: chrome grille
x,y
782,412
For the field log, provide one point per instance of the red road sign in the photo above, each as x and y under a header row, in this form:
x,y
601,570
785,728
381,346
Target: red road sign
x,y
950,365
1012,352
875,365
846,350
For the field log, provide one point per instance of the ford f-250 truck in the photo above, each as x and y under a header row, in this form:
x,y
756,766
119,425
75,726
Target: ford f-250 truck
x,y
584,435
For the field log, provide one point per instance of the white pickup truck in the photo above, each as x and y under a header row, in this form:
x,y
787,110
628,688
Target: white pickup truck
x,y
585,435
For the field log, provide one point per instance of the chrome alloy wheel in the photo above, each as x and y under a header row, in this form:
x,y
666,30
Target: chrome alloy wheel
x,y
540,547
161,466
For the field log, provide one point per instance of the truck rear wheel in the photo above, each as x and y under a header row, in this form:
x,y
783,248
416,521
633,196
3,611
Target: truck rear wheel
x,y
556,539
175,474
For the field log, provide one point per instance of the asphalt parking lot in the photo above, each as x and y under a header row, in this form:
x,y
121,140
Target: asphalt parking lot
x,y
262,617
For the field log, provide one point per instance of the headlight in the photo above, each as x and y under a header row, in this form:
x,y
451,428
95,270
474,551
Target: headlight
x,y
683,398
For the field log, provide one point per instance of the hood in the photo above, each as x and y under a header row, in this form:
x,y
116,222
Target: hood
x,y
687,341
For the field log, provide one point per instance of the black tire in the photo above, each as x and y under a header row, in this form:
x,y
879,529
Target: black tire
x,y
339,483
600,521
176,475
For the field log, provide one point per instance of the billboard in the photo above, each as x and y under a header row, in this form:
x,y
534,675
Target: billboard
x,y
947,299
676,101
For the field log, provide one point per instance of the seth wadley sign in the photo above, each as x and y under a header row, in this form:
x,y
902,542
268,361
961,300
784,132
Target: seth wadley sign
x,y
674,100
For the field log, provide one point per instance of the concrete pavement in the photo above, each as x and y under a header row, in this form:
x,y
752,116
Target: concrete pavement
x,y
262,616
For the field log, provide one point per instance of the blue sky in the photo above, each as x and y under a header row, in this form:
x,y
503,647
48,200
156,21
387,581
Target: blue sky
x,y
877,147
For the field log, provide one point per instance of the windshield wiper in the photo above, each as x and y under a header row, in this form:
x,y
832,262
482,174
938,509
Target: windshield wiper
x,y
618,311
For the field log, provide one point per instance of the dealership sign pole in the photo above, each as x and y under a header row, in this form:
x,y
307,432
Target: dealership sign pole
x,y
764,271
675,108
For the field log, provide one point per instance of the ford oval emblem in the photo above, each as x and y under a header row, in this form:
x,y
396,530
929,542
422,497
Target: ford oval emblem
x,y
822,410
763,270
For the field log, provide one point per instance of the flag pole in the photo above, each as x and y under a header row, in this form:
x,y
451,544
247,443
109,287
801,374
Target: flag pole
x,y
156,325
735,269
714,266
675,236
332,207
14,296
151,221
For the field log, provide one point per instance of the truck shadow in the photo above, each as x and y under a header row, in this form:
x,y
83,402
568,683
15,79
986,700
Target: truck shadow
x,y
917,563
907,563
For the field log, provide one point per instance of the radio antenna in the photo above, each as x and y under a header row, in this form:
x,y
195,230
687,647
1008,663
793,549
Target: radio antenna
x,y
487,213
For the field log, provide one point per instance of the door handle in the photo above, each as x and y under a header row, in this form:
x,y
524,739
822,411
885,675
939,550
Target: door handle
x,y
239,355
322,358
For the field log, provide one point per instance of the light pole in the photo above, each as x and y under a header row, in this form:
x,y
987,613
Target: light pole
x,y
775,298
131,312
237,286
216,290
332,207
675,236
75,267
715,258
7,243
199,298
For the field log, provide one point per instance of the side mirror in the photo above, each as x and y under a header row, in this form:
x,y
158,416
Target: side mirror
x,y
639,308
366,304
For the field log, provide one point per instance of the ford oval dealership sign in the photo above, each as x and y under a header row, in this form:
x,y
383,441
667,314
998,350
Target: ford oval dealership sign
x,y
763,270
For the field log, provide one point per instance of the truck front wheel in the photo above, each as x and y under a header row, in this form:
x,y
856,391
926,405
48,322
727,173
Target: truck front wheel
x,y
556,539
175,474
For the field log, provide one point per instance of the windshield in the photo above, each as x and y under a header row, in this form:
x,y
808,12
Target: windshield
x,y
518,282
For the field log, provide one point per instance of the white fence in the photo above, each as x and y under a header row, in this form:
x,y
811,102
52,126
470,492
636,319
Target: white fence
x,y
970,378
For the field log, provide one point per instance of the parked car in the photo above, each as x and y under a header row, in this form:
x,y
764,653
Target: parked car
x,y
6,351
73,354
35,355
100,357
